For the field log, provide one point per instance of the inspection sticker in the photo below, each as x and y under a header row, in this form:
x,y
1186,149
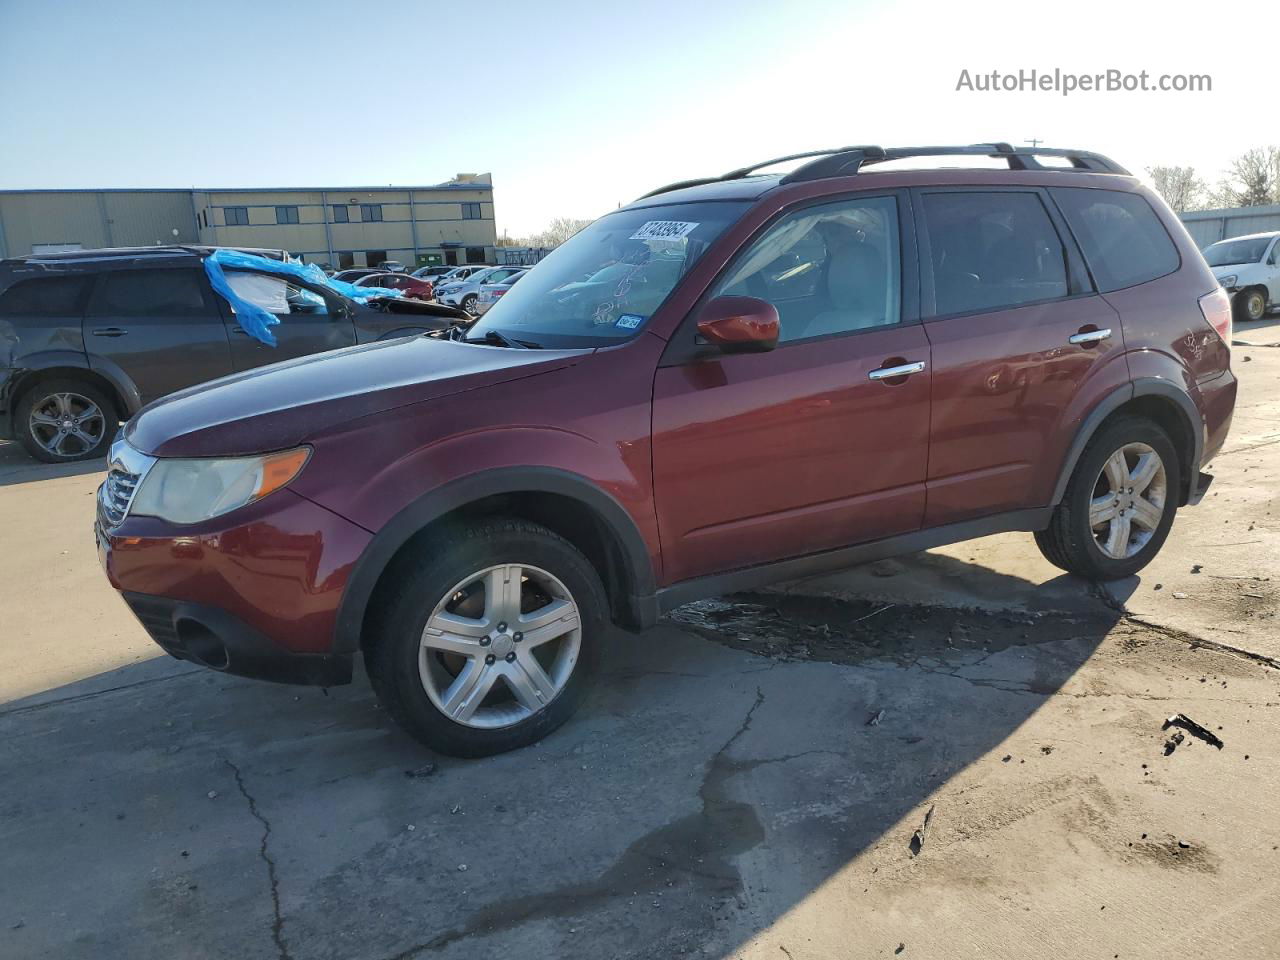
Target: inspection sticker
x,y
664,230
629,321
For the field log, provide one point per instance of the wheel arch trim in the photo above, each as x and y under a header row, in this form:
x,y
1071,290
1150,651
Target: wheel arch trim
x,y
640,581
1142,387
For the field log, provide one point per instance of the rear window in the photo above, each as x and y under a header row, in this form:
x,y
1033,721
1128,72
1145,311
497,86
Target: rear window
x,y
44,297
1122,239
992,251
150,293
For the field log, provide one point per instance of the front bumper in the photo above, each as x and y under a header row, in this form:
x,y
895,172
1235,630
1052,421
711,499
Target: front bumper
x,y
255,592
215,639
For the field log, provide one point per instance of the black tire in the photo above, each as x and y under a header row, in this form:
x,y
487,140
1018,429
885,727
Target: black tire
x,y
1068,542
1250,304
469,303
40,397
422,581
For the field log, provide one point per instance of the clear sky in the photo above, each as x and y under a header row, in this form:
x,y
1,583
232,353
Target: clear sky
x,y
576,107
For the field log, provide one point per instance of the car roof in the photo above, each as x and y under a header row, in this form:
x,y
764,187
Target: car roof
x,y
130,256
1265,235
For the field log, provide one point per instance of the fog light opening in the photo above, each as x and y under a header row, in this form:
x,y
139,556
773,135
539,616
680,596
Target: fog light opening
x,y
202,645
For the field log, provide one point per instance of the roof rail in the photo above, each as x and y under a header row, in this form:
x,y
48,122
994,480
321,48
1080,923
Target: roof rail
x,y
847,161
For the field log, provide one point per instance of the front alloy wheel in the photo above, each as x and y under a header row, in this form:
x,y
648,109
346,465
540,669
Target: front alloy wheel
x,y
483,663
1253,304
500,646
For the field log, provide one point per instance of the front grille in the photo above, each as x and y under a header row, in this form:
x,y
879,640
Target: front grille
x,y
116,494
125,471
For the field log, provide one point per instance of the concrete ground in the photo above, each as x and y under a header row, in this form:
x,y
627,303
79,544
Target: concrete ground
x,y
957,754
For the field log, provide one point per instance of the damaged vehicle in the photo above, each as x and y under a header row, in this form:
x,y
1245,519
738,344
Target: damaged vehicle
x,y
88,338
731,381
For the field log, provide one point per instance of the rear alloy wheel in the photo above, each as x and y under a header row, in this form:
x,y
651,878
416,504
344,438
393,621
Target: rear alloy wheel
x,y
1251,304
1119,504
62,421
494,659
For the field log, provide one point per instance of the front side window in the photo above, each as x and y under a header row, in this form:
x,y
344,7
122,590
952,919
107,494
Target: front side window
x,y
150,293
1121,237
286,214
236,216
275,294
44,297
829,269
370,212
603,284
992,251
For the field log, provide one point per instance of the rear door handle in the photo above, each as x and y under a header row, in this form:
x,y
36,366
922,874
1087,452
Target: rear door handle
x,y
902,370
1090,336
109,332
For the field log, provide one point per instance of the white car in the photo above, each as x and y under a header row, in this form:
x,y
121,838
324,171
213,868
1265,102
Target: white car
x,y
465,293
1247,269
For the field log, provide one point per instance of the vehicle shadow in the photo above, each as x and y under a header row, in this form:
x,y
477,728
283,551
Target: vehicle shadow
x,y
17,466
727,766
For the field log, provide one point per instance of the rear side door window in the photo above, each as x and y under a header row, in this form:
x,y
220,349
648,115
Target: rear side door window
x,y
1123,241
828,269
992,250
44,297
151,293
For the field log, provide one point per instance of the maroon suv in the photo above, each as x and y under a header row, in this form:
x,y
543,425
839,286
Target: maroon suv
x,y
728,382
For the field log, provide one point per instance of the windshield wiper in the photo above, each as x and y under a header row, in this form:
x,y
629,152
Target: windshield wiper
x,y
494,338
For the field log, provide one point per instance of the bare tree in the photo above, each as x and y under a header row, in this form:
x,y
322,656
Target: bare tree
x,y
558,231
1180,187
1253,179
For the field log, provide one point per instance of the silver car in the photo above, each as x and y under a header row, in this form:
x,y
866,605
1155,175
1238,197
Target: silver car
x,y
466,293
491,293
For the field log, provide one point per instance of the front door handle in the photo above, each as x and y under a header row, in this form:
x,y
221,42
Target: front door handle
x,y
902,370
109,332
1090,336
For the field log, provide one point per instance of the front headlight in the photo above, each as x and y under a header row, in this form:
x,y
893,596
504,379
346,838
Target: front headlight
x,y
1229,281
188,491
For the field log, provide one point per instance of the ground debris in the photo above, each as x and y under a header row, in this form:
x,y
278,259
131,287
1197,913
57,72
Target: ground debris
x,y
1173,743
426,770
875,719
917,838
1193,728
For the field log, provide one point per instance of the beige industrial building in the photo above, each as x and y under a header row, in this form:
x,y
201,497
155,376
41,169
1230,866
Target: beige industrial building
x,y
449,223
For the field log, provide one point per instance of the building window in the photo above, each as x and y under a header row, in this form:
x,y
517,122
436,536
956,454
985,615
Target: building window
x,y
475,254
346,260
370,212
374,257
471,211
235,216
341,214
286,214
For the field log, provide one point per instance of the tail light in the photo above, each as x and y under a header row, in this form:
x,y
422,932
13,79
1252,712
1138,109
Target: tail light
x,y
498,293
1216,307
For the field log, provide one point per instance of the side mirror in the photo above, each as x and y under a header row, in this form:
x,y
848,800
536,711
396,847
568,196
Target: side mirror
x,y
739,324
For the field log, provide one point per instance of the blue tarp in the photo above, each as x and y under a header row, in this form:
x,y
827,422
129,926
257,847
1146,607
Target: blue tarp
x,y
257,321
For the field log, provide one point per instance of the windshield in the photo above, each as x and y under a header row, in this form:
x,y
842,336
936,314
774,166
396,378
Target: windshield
x,y
1236,251
602,285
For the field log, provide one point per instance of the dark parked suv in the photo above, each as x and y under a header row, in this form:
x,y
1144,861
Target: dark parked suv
x,y
88,338
730,381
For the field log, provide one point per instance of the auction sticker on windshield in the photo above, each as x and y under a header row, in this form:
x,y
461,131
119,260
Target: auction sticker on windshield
x,y
664,230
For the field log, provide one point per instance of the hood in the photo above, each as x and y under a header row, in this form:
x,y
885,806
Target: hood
x,y
280,406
